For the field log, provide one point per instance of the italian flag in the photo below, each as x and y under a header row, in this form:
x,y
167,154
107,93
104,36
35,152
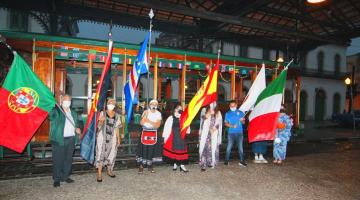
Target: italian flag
x,y
263,118
24,104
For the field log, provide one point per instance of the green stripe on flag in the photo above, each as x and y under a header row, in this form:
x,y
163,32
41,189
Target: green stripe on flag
x,y
275,87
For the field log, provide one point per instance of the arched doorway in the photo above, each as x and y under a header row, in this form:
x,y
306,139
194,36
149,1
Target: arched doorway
x,y
303,105
320,103
336,103
221,93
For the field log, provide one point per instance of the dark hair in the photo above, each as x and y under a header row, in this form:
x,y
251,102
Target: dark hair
x,y
232,101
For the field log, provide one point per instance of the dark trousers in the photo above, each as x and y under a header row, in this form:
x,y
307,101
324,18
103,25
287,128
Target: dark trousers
x,y
62,158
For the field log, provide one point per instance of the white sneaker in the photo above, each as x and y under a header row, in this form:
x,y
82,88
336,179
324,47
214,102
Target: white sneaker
x,y
262,159
175,167
256,160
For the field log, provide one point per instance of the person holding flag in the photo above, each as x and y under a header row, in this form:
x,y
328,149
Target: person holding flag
x,y
150,121
263,118
107,140
63,126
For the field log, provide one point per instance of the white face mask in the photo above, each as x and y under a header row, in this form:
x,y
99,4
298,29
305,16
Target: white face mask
x,y
66,104
232,108
110,107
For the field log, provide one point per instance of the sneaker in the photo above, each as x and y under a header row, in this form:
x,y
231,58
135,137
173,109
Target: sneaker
x,y
256,160
69,180
262,159
242,164
226,163
57,184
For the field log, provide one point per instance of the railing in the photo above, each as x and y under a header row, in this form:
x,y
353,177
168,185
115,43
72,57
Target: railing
x,y
323,73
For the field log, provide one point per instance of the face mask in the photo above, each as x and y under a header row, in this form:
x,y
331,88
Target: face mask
x,y
110,107
66,104
232,109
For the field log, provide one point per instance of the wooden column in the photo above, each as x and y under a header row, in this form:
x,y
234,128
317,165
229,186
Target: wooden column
x,y
182,84
89,89
240,90
297,106
233,84
52,79
115,82
123,84
156,78
159,89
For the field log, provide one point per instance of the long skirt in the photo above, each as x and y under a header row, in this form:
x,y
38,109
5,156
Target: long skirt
x,y
206,156
259,147
280,150
105,151
148,153
175,153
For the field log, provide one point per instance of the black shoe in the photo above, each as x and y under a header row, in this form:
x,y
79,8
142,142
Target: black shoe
x,y
242,163
226,163
57,184
69,180
203,169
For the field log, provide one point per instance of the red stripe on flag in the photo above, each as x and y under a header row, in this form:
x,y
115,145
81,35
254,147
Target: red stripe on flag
x,y
263,127
17,128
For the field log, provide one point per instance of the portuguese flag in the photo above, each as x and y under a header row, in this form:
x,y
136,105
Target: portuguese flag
x,y
24,104
263,118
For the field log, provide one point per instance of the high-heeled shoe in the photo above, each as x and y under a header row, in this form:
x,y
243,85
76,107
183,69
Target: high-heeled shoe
x,y
183,169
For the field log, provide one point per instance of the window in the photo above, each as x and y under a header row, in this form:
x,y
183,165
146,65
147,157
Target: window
x,y
266,54
18,21
221,93
337,64
320,61
243,51
336,103
288,96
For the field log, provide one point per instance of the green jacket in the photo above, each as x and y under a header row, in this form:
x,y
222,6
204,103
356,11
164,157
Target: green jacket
x,y
57,125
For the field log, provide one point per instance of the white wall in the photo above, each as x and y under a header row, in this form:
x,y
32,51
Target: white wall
x,y
255,52
33,25
329,57
330,87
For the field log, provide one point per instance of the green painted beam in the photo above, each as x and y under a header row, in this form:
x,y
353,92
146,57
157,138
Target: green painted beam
x,y
103,43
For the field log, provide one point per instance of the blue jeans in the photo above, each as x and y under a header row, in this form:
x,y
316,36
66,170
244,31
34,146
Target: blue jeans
x,y
238,139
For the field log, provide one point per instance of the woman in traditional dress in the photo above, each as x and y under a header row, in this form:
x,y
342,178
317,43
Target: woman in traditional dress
x,y
210,138
107,140
146,152
175,148
282,136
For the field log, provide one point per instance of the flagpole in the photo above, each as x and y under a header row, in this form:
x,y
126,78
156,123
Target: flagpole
x,y
3,40
151,15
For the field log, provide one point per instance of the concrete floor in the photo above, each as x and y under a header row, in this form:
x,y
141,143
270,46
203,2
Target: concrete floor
x,y
334,175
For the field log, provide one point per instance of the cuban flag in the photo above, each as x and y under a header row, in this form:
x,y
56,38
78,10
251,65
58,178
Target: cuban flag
x,y
140,66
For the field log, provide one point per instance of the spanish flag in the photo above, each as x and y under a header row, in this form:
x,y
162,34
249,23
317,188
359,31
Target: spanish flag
x,y
204,96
